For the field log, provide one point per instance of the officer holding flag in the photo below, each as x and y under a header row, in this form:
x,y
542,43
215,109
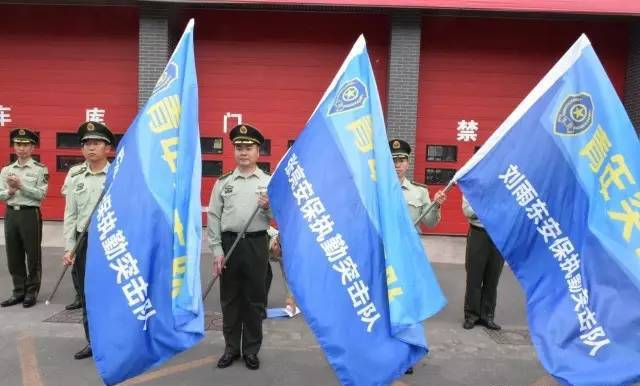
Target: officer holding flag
x,y
84,190
417,195
243,276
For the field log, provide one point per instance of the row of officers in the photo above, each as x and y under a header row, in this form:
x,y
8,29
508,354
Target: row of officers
x,y
245,278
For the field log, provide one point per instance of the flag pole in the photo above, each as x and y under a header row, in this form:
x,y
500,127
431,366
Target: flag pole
x,y
228,255
433,203
81,238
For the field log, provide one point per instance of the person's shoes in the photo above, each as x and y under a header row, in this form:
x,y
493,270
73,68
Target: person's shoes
x,y
252,361
73,306
227,359
29,301
409,371
84,353
468,324
12,301
490,324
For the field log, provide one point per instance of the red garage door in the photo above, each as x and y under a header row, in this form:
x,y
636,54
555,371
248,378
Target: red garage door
x,y
272,68
474,72
58,65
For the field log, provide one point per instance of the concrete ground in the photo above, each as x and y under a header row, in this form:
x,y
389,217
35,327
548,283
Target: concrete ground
x,y
38,353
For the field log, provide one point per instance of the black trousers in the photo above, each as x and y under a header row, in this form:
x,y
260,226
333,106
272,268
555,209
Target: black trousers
x,y
23,237
78,271
243,293
483,264
76,281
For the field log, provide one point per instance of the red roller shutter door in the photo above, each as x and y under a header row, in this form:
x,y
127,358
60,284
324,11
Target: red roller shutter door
x,y
273,68
59,61
480,69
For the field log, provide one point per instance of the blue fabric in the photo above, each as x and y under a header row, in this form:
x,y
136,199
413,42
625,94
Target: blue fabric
x,y
578,260
142,280
353,259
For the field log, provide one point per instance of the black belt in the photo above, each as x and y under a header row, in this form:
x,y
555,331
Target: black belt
x,y
22,207
246,234
481,229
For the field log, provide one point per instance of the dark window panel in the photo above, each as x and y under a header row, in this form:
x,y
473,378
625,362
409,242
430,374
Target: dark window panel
x,y
67,140
265,148
445,153
438,176
211,168
118,139
211,145
265,166
64,162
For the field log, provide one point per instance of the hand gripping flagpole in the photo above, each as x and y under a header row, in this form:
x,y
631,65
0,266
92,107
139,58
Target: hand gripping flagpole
x,y
233,247
81,238
433,203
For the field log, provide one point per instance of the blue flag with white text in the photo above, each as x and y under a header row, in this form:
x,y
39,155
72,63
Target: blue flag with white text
x,y
142,281
557,186
352,257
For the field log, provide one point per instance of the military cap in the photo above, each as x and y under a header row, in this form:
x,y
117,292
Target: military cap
x,y
23,136
246,134
95,130
399,148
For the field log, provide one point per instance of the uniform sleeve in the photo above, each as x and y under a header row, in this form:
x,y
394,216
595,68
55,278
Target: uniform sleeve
x,y
433,217
214,224
467,210
267,212
39,190
4,188
70,222
273,239
65,184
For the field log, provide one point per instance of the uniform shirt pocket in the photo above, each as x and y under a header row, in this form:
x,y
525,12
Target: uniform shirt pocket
x,y
30,179
81,195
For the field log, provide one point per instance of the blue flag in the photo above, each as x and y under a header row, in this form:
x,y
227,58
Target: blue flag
x,y
143,262
557,187
352,257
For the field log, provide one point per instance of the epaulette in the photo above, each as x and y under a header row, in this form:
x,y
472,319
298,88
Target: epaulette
x,y
225,175
39,163
79,171
80,164
418,184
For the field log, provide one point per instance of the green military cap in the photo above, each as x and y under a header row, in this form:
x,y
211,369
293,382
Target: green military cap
x,y
95,130
246,134
23,136
399,148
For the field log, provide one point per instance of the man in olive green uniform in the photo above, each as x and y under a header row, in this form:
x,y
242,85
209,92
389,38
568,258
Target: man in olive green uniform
x,y
234,198
483,264
84,189
73,170
416,195
23,185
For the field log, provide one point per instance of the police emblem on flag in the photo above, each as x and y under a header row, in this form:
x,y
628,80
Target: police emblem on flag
x,y
351,96
575,115
168,76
